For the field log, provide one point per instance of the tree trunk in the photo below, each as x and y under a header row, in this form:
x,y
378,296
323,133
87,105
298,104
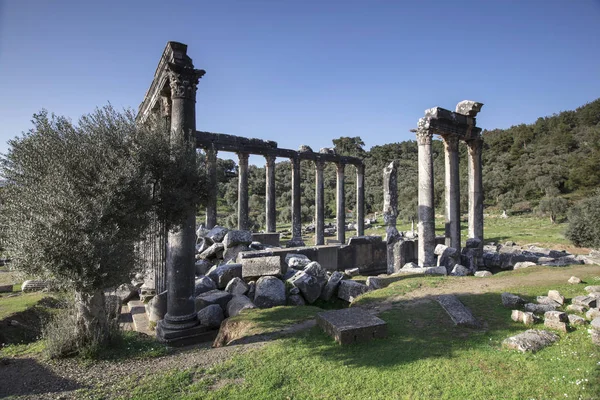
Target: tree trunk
x,y
92,320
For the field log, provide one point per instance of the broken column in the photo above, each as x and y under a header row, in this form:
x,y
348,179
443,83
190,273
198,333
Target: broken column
x,y
270,193
243,192
426,226
340,203
211,202
296,240
319,203
360,200
452,192
390,211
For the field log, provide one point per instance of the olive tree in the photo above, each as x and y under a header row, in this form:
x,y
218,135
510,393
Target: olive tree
x,y
78,197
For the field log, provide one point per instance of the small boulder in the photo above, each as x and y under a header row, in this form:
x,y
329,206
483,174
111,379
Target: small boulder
x,y
556,316
211,316
527,318
531,340
251,290
410,265
587,301
235,238
350,290
592,313
237,287
547,300
309,285
352,272
483,274
214,251
592,289
295,300
270,292
224,273
374,283
202,267
203,284
539,308
237,304
441,270
332,285
296,260
218,297
510,300
556,296
217,234
578,308
576,320
574,280
460,270
524,264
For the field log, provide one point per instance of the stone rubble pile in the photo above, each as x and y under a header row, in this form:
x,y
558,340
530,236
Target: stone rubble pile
x,y
548,309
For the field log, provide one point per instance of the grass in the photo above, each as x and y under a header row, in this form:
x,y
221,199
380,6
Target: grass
x,y
15,304
425,356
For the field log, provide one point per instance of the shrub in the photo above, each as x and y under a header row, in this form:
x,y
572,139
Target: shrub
x,y
584,226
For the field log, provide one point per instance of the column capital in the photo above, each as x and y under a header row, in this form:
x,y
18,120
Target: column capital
x,y
270,159
243,156
340,165
319,165
475,144
450,143
360,169
184,81
424,137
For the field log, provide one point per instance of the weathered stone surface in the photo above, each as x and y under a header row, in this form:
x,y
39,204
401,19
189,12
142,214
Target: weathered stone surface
x,y
595,337
289,273
217,234
157,307
574,280
539,308
457,311
592,313
547,300
224,273
349,290
309,285
531,340
219,297
237,304
231,253
237,287
295,300
473,243
587,301
332,285
262,266
483,274
211,316
524,264
214,251
203,244
296,260
527,318
510,300
595,324
390,194
237,237
577,308
591,289
352,272
351,325
439,249
448,256
374,283
270,292
315,269
6,288
460,270
34,285
576,320
556,296
441,270
558,325
556,316
251,290
410,265
203,284
124,292
202,266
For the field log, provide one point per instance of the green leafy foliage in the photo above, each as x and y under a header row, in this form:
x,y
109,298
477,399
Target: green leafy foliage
x,y
584,227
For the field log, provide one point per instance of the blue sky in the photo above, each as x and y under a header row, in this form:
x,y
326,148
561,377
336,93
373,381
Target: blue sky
x,y
304,72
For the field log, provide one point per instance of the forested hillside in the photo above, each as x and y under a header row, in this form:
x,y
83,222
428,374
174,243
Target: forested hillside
x,y
544,167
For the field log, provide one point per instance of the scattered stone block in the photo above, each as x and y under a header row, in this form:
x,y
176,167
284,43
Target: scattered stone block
x,y
232,253
332,285
558,316
224,273
270,292
251,290
6,288
595,324
592,289
547,301
587,301
157,307
410,265
441,270
351,325
203,284
448,258
556,296
202,267
214,251
295,300
374,283
510,300
539,308
352,272
524,264
235,238
527,318
262,266
211,316
531,340
460,270
595,337
592,313
576,320
557,325
217,297
483,274
237,304
217,234
578,308
237,287
350,290
315,269
33,286
296,260
574,280
457,311
309,285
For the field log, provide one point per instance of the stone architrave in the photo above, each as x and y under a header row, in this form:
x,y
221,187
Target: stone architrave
x,y
211,202
270,193
340,203
319,203
243,192
452,192
426,225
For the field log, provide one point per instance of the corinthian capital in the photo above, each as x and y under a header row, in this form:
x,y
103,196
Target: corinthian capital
x,y
184,81
424,137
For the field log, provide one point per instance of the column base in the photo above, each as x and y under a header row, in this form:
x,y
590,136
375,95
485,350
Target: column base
x,y
295,242
184,337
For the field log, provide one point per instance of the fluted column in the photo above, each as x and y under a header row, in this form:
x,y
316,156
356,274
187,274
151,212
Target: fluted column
x,y
181,248
296,205
341,204
319,203
452,192
243,191
270,193
475,189
426,226
360,200
211,202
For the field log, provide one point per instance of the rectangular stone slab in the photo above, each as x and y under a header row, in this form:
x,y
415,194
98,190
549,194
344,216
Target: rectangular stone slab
x,y
262,266
351,325
531,340
460,314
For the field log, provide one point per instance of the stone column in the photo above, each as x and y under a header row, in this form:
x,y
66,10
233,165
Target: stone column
x,y
452,192
243,191
296,240
211,203
181,320
360,200
475,189
319,203
426,226
341,204
270,193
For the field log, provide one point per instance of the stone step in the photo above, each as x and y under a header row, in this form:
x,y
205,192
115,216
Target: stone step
x,y
459,313
351,325
140,321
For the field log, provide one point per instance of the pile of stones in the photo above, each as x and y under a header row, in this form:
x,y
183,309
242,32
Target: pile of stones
x,y
511,256
548,309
